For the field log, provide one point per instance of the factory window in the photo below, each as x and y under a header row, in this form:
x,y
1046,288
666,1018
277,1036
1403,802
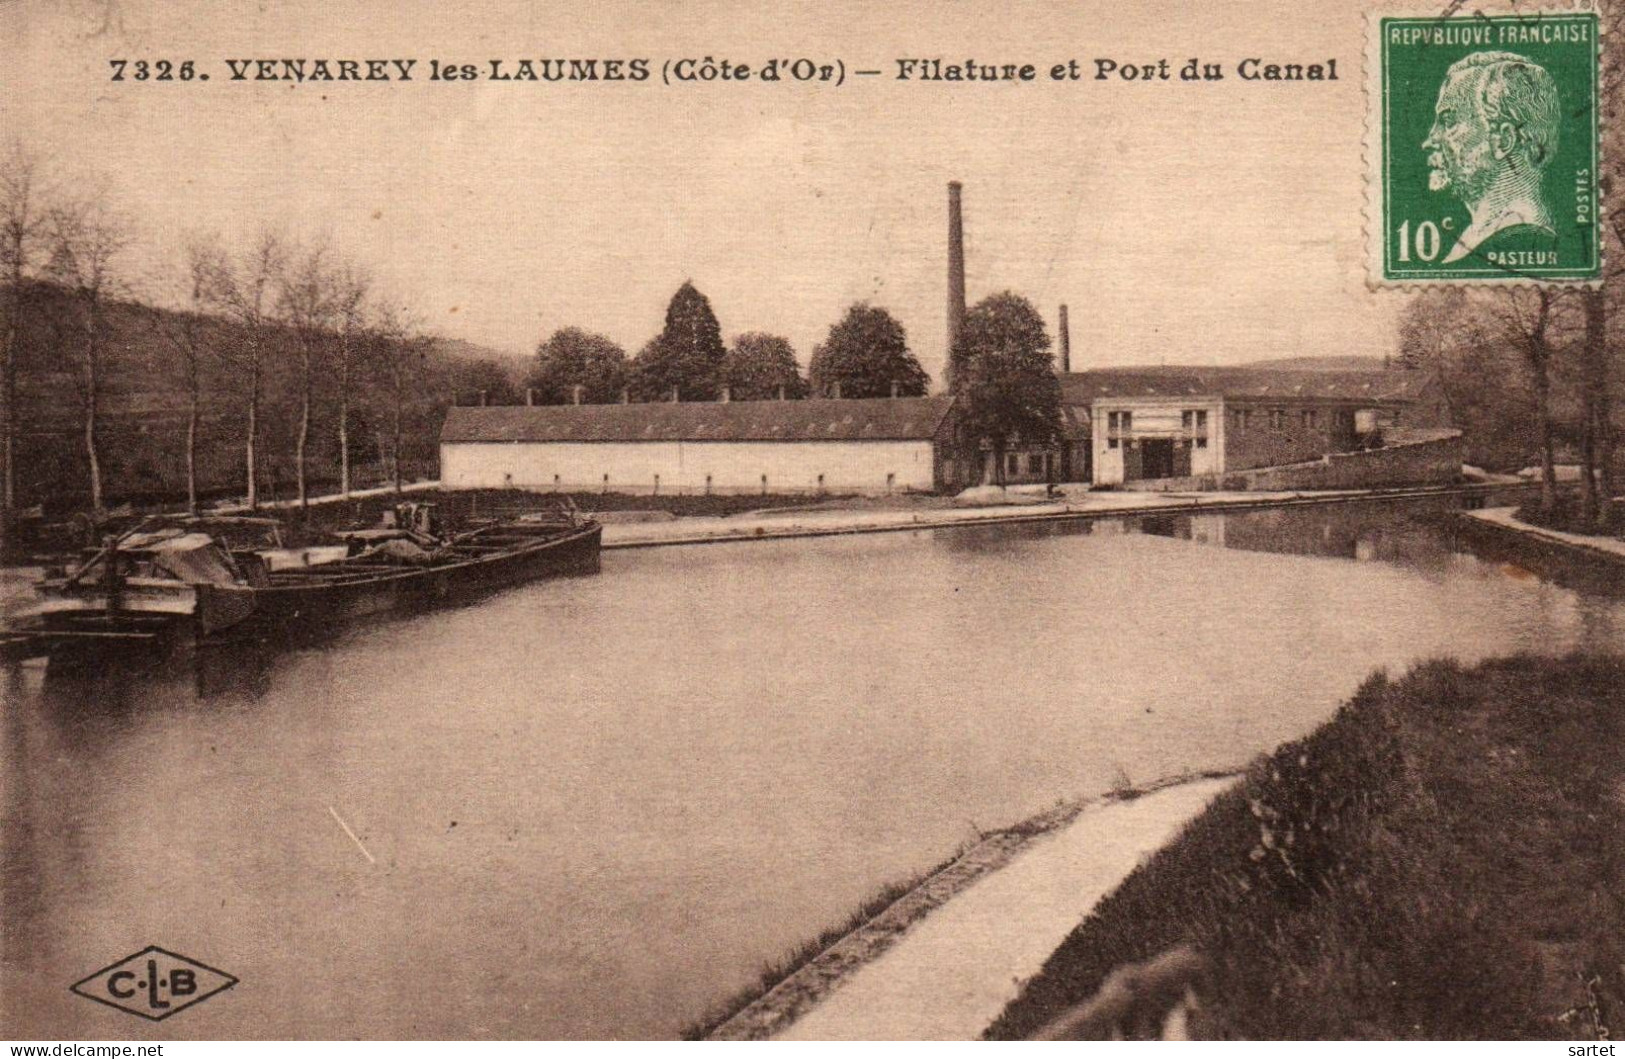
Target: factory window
x,y
1035,463
1012,463
1310,417
1277,419
1117,425
1195,423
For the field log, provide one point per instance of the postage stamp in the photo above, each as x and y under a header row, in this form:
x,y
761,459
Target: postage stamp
x,y
1484,165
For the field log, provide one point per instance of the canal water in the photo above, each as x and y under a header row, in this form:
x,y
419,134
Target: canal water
x,y
595,807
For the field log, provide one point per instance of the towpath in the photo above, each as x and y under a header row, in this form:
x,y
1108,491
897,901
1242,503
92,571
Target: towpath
x,y
1506,517
953,971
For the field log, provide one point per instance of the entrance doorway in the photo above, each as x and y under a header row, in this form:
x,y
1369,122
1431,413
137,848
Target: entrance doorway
x,y
1157,458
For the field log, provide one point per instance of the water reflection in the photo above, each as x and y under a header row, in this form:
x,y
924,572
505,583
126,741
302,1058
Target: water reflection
x,y
591,808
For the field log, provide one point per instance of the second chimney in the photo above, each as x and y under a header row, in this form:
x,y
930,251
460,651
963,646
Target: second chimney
x,y
1065,343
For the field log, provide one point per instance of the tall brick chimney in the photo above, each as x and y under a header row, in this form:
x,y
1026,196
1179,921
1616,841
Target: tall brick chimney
x,y
1065,345
956,277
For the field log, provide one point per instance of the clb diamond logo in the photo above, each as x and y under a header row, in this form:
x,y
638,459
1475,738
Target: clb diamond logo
x,y
154,983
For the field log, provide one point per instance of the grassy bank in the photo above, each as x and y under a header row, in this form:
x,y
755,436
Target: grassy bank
x,y
1444,859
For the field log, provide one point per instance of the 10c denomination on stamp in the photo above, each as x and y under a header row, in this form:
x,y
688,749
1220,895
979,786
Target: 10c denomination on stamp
x,y
1484,165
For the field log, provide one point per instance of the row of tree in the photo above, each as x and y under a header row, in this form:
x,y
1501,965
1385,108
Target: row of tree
x,y
865,355
1530,374
281,339
1001,366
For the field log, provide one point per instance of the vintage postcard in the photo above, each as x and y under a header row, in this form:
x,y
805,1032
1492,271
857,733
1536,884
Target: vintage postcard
x,y
754,520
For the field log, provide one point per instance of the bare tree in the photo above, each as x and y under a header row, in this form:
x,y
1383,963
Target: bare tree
x,y
245,289
350,297
309,303
397,347
1528,321
188,332
22,229
86,234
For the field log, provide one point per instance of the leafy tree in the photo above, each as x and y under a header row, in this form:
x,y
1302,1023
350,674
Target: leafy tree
x,y
759,364
487,376
864,355
1003,376
687,354
573,357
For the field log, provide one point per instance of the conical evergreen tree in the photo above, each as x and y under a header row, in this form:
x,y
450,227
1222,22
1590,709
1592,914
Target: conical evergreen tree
x,y
688,354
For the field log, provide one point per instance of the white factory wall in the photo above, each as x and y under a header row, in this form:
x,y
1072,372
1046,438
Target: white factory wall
x,y
684,466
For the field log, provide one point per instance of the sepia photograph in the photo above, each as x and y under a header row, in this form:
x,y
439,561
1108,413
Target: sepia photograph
x,y
764,520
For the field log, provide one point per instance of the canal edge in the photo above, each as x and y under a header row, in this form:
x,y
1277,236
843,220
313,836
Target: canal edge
x,y
786,1002
1070,514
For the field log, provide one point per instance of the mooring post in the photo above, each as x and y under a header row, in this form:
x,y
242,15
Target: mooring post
x,y
110,576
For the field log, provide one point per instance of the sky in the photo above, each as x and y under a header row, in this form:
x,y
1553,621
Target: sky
x,y
1207,223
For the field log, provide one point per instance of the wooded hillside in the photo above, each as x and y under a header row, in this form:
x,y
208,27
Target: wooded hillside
x,y
143,405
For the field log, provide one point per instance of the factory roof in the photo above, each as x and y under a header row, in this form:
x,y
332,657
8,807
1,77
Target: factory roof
x,y
822,419
1237,383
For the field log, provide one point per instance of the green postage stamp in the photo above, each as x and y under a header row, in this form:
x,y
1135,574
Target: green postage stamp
x,y
1484,167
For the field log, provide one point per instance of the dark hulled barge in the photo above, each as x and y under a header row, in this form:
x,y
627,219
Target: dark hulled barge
x,y
181,582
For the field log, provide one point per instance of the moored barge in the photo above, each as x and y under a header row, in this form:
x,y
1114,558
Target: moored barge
x,y
183,583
